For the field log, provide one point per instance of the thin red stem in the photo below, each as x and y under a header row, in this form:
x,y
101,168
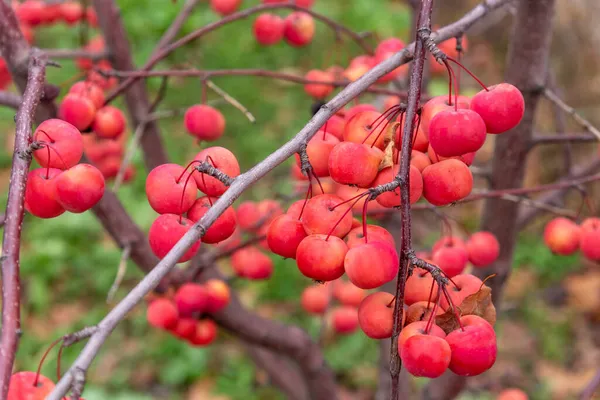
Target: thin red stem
x,y
364,219
344,215
469,72
39,369
308,195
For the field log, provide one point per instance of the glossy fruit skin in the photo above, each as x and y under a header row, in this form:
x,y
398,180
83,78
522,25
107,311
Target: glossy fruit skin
x,y
162,313
354,163
318,150
109,122
284,235
204,122
299,29
268,29
392,199
71,11
448,241
467,158
512,394
501,107
483,248
251,263
590,238
190,299
359,264
222,228
206,333
185,328
454,133
318,90
321,258
418,328
301,3
473,348
466,285
225,7
368,127
315,299
562,236
376,315
40,193
419,160
418,287
77,110
21,386
447,182
451,260
165,185
425,355
437,104
80,188
222,159
89,90
166,231
348,294
344,319
385,49
66,141
218,295
375,233
320,216
420,141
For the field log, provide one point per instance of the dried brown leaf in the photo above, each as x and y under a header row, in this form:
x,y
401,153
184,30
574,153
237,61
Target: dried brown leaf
x,y
479,303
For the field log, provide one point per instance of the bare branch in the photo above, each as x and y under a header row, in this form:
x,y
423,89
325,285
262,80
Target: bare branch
x,y
587,125
559,138
120,274
75,53
11,100
231,100
591,388
11,242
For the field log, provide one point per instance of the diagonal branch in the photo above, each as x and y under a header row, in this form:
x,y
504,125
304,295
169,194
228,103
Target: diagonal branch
x,y
11,242
9,99
587,125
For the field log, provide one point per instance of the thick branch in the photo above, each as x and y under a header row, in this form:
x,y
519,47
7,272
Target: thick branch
x,y
11,242
138,103
75,53
527,68
240,184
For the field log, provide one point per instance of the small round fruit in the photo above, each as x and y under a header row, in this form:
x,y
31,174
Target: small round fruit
x,y
222,228
392,199
322,213
473,347
454,133
483,248
562,236
190,299
77,110
590,238
376,315
218,295
204,122
251,263
80,188
109,122
41,199
21,385
318,90
268,29
360,269
447,182
166,231
354,163
315,299
321,258
206,333
425,355
66,144
512,394
501,107
222,159
162,313
299,29
284,235
170,189
344,319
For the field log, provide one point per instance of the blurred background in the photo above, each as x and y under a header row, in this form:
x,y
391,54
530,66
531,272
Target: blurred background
x,y
549,325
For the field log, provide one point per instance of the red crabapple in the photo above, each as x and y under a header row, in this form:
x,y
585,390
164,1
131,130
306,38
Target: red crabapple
x,y
359,264
166,231
318,151
185,328
318,90
473,346
251,263
89,90
447,182
448,241
359,108
218,295
284,235
348,294
562,236
222,228
162,314
392,199
190,299
40,193
206,333
109,122
501,107
354,163
21,385
71,11
375,233
204,122
344,319
425,355
77,110
79,188
170,189
321,215
225,7
451,259
512,394
590,238
368,127
419,160
376,315
66,144
454,133
418,328
466,158
268,29
299,29
421,311
357,68
224,161
315,299
321,258
466,285
385,49
438,104
418,287
483,248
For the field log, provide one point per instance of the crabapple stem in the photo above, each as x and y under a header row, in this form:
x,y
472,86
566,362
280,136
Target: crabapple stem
x,y
364,219
468,72
41,363
344,215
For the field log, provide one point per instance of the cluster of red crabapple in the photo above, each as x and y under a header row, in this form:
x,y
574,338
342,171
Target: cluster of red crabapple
x,y
564,237
320,233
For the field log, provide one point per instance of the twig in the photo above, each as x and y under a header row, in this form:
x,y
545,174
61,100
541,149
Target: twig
x,y
231,100
587,125
561,124
120,274
208,169
542,206
176,25
9,99
241,72
168,49
559,138
591,388
11,242
241,183
414,97
75,53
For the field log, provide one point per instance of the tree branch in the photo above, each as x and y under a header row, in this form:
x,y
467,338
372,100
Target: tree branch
x,y
11,242
556,100
591,388
559,138
9,99
75,53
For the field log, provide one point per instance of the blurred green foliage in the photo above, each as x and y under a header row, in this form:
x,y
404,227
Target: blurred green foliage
x,y
69,264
